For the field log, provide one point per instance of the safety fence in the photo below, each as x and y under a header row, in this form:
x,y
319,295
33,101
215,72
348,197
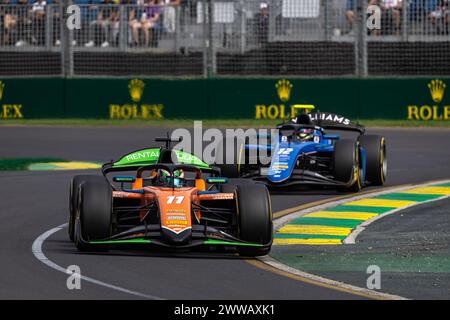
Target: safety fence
x,y
205,38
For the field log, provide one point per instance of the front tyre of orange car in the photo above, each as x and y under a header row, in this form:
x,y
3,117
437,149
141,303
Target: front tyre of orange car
x,y
94,216
254,219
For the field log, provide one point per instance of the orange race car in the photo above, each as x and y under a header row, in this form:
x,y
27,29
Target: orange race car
x,y
172,200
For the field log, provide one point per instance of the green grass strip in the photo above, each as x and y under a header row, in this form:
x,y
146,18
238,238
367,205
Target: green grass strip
x,y
344,208
441,185
307,236
344,223
358,262
15,164
408,196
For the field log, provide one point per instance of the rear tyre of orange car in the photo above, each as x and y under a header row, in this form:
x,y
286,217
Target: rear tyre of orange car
x,y
94,216
254,219
73,198
376,162
346,164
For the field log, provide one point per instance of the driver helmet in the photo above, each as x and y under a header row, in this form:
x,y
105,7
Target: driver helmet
x,y
306,134
178,177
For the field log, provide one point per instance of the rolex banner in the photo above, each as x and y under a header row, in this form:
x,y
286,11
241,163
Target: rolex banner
x,y
424,99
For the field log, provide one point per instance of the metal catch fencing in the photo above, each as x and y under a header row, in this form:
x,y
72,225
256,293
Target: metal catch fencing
x,y
204,38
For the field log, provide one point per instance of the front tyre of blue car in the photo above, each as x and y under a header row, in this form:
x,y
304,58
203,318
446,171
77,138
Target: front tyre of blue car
x,y
347,164
376,161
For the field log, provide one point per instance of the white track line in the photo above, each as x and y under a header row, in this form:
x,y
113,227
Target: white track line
x,y
278,223
37,251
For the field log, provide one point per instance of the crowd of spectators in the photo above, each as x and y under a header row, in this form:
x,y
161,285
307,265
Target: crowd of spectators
x,y
23,21
436,12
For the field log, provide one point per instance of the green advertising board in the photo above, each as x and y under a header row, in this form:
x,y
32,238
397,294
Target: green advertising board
x,y
223,98
32,98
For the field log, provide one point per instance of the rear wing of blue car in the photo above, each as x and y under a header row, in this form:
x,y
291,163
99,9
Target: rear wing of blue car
x,y
331,121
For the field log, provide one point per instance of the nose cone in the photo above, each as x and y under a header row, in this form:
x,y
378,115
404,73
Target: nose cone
x,y
174,238
282,163
175,214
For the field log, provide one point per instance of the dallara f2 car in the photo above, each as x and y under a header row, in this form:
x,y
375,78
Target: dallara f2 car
x,y
172,200
305,154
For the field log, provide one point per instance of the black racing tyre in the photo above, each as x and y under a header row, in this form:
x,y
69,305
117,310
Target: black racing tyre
x,y
376,162
233,169
346,164
254,218
94,214
73,198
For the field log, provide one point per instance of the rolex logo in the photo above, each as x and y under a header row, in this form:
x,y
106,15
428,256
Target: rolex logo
x,y
284,88
136,88
437,90
2,86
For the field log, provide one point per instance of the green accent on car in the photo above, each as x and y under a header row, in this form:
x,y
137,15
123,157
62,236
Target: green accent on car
x,y
230,243
216,180
123,241
124,179
150,156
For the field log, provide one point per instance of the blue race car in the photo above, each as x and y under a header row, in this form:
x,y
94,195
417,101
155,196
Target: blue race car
x,y
305,154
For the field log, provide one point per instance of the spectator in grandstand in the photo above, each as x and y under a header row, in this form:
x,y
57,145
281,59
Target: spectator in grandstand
x,y
440,18
89,11
23,23
151,23
350,13
169,14
350,8
8,21
262,23
38,22
105,25
134,21
56,22
391,15
146,17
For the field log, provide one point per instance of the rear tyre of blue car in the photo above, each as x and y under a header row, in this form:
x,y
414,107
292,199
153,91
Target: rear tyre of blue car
x,y
228,157
376,162
94,214
254,219
346,164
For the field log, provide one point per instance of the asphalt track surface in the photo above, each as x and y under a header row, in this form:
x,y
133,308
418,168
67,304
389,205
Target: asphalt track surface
x,y
34,202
